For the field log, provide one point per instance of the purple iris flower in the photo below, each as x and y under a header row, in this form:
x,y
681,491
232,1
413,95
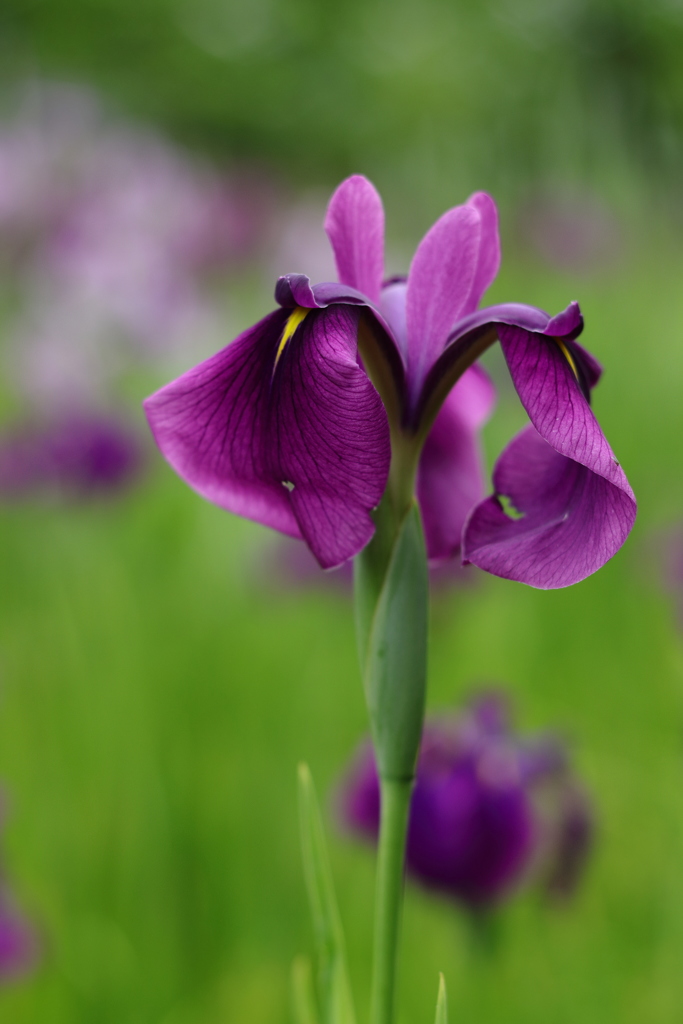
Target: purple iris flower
x,y
77,455
487,809
19,947
18,943
286,427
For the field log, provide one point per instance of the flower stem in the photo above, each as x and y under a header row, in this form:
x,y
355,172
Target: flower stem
x,y
395,795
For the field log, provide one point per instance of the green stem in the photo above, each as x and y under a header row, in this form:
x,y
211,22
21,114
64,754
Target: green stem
x,y
389,896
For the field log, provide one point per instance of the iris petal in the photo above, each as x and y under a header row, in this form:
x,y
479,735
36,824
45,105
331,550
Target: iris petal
x,y
302,446
488,257
355,227
566,521
450,476
439,286
571,504
453,266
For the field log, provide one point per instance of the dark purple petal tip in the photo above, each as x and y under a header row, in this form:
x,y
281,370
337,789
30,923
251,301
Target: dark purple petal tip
x,y
567,324
295,290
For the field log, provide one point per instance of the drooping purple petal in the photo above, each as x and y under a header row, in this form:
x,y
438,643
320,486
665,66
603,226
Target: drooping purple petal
x,y
378,347
564,520
355,227
476,331
450,476
293,436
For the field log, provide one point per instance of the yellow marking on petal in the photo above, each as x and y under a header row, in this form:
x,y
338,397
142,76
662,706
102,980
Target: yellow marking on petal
x,y
568,356
295,318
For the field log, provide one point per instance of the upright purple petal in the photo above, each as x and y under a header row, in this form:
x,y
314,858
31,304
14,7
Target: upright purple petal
x,y
453,266
440,283
450,475
355,227
291,435
488,261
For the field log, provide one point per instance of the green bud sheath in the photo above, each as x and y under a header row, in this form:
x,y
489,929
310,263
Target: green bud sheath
x,y
392,595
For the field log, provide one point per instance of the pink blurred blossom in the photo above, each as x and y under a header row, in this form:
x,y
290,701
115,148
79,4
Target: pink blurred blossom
x,y
111,235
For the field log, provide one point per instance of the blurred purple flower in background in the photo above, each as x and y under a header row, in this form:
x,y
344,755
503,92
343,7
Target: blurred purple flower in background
x,y
73,456
111,239
572,231
18,940
108,233
18,943
488,810
667,548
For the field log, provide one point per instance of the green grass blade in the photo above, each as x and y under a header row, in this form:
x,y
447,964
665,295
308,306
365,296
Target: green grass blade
x,y
441,1002
333,985
303,996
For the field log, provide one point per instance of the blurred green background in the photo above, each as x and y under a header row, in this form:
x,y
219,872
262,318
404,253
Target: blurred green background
x,y
156,692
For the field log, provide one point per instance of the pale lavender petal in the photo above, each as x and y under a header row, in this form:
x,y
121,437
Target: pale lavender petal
x,y
440,283
564,520
488,261
450,475
355,227
295,438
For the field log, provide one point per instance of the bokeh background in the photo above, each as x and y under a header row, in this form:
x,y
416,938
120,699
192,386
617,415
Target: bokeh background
x,y
163,665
